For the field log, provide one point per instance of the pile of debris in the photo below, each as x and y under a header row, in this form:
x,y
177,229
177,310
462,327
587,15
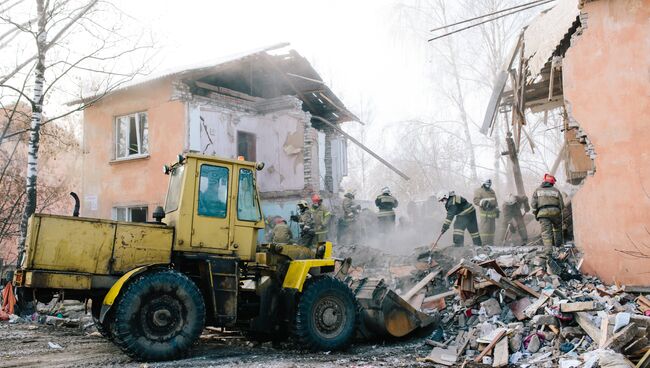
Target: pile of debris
x,y
506,306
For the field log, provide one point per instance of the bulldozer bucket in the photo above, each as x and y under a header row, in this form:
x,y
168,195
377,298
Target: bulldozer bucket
x,y
384,313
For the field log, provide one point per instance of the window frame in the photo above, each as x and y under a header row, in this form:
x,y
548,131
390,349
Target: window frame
x,y
228,190
129,215
255,195
139,139
253,141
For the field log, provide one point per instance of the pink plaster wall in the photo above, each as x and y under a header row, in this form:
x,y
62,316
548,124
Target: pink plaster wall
x,y
606,77
130,182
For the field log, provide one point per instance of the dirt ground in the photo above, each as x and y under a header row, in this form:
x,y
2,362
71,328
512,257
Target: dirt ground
x,y
26,345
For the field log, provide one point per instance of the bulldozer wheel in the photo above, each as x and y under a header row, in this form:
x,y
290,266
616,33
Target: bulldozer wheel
x,y
159,316
327,315
102,328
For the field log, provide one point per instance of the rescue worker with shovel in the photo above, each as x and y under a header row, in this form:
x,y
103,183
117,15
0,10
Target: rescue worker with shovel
x,y
459,208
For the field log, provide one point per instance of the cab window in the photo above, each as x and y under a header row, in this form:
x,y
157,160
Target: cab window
x,y
213,191
247,207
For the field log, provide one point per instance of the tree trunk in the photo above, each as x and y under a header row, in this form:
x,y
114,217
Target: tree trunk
x,y
34,136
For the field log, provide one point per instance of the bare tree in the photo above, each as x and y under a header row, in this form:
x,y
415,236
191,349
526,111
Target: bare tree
x,y
464,70
59,44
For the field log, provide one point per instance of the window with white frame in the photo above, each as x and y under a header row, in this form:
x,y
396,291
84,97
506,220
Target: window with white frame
x,y
131,214
131,135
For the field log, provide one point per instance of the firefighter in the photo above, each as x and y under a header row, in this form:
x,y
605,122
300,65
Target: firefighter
x,y
305,223
486,200
350,215
386,204
321,218
281,231
547,207
465,215
513,218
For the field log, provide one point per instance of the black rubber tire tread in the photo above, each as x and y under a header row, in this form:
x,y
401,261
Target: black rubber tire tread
x,y
103,329
125,328
304,329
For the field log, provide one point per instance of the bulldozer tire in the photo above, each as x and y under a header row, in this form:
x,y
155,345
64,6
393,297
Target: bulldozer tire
x,y
159,316
102,328
326,316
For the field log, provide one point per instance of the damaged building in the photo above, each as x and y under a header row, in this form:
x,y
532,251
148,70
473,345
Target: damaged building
x,y
266,105
588,59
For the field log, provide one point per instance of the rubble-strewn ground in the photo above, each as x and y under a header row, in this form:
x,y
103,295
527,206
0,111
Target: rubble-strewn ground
x,y
26,345
569,317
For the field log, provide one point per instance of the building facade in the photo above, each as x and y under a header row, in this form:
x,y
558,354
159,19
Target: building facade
x,y
256,105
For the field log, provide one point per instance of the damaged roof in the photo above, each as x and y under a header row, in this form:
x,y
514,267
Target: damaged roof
x,y
545,33
258,73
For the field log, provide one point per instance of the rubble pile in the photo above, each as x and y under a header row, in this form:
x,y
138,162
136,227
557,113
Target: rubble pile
x,y
506,306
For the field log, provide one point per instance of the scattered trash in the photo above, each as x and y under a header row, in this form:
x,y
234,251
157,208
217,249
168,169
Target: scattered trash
x,y
54,345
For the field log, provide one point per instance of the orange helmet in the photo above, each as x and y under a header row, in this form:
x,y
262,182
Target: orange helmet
x,y
315,198
549,178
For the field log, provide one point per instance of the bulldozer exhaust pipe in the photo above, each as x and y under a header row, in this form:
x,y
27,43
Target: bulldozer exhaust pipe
x,y
75,212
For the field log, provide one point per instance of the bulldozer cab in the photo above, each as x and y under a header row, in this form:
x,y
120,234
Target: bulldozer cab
x,y
213,204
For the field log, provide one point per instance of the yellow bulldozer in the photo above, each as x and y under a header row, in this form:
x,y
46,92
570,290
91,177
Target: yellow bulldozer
x,y
153,286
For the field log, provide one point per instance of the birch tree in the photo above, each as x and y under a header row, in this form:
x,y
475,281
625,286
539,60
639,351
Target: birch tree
x,y
59,46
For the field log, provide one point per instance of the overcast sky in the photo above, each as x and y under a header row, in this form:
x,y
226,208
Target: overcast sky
x,y
352,44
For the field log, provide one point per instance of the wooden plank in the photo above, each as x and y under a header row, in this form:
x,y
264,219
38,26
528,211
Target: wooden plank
x,y
604,327
577,307
526,288
490,346
501,356
645,361
619,339
582,318
416,301
439,296
427,279
532,309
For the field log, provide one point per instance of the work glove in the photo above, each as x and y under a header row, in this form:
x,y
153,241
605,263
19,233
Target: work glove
x,y
445,227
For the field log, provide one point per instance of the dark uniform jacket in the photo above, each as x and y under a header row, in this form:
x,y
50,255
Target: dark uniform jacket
x,y
547,201
386,203
456,206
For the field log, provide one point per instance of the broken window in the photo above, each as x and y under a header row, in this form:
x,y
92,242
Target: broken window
x,y
246,145
130,214
131,135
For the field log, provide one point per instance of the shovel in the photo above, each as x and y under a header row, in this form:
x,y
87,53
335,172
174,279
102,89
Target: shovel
x,y
433,246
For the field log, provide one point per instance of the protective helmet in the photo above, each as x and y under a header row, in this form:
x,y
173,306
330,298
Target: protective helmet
x,y
442,195
487,183
385,190
303,203
279,220
549,179
510,199
315,198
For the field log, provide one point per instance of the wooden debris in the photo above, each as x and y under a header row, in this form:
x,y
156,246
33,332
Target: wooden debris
x,y
578,306
645,361
490,346
416,301
582,318
427,279
532,309
619,339
604,329
501,356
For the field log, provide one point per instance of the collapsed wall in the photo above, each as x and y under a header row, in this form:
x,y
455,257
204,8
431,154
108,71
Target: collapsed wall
x,y
607,85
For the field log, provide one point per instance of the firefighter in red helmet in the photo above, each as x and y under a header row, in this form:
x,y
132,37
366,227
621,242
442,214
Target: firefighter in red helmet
x,y
547,205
